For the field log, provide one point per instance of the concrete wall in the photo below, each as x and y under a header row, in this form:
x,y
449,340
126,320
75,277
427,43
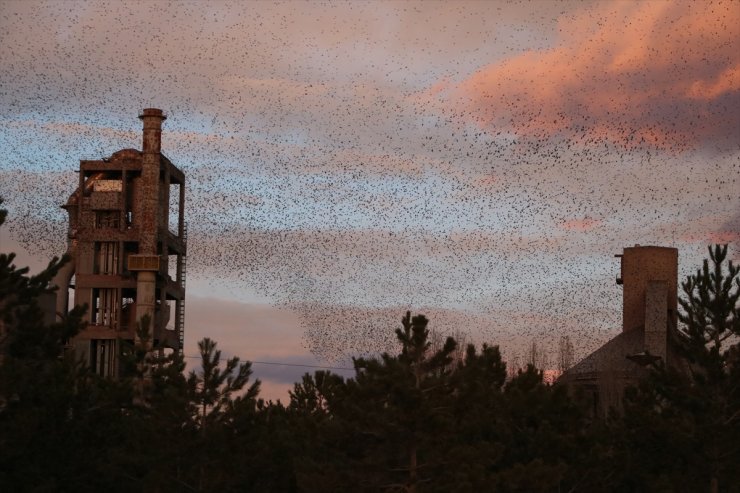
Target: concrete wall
x,y
656,318
640,266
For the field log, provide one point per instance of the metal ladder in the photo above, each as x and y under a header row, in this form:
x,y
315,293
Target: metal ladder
x,y
180,323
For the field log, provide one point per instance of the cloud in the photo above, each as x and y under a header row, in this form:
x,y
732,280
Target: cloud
x,y
585,224
664,74
714,237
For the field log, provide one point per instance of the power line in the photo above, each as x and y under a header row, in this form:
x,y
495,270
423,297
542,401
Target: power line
x,y
278,363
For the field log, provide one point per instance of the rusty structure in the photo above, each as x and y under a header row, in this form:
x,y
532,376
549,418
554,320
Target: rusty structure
x,y
127,241
649,278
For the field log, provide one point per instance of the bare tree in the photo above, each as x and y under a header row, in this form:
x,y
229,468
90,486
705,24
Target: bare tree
x,y
513,365
565,354
537,357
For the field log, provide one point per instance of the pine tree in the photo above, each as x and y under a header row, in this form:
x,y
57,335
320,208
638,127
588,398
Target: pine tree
x,y
314,393
322,440
711,312
23,332
155,448
388,424
218,398
211,389
53,410
711,319
415,422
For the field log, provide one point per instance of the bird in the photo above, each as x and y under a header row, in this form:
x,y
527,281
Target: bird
x,y
469,161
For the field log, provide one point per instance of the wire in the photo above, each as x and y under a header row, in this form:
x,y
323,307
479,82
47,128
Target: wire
x,y
277,363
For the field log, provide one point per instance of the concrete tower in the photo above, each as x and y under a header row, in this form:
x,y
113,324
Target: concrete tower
x,y
127,242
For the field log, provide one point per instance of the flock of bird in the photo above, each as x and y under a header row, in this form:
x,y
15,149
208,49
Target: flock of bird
x,y
353,196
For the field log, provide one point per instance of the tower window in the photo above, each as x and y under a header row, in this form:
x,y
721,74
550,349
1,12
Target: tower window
x,y
107,219
104,307
103,354
106,257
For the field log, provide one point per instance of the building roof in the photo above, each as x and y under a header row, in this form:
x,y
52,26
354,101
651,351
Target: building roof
x,y
611,358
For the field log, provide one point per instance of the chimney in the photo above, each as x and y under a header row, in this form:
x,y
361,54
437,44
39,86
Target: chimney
x,y
152,118
148,189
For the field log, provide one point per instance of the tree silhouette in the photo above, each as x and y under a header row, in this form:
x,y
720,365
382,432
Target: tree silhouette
x,y
711,312
211,389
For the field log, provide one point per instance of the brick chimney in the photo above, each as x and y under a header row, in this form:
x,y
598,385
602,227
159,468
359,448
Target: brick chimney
x,y
150,164
152,118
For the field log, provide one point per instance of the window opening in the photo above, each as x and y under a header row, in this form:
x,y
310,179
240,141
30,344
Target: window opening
x,y
107,219
105,306
103,357
108,257
173,212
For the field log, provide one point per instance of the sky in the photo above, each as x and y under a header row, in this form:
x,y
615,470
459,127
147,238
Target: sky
x,y
477,162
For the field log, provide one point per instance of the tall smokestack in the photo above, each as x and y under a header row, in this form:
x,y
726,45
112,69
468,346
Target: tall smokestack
x,y
150,164
149,220
152,118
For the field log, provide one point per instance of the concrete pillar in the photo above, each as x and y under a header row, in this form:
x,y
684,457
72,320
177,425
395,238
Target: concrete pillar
x,y
656,318
61,281
146,283
64,275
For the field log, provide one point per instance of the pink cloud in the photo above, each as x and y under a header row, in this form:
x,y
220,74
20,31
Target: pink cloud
x,y
714,237
666,74
585,224
723,237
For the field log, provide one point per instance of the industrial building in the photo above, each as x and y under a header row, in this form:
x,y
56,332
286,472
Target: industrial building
x,y
127,243
649,278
